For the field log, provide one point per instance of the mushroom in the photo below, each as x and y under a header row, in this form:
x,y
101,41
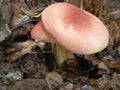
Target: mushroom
x,y
76,30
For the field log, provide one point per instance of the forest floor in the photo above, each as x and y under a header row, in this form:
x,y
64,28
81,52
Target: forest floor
x,y
27,65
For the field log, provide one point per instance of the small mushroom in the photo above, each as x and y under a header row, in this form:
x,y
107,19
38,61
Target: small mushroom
x,y
39,34
76,30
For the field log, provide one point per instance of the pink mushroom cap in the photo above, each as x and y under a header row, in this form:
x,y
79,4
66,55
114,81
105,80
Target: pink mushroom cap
x,y
39,34
77,30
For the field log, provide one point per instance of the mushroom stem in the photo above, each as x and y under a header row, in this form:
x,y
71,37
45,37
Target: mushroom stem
x,y
61,55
